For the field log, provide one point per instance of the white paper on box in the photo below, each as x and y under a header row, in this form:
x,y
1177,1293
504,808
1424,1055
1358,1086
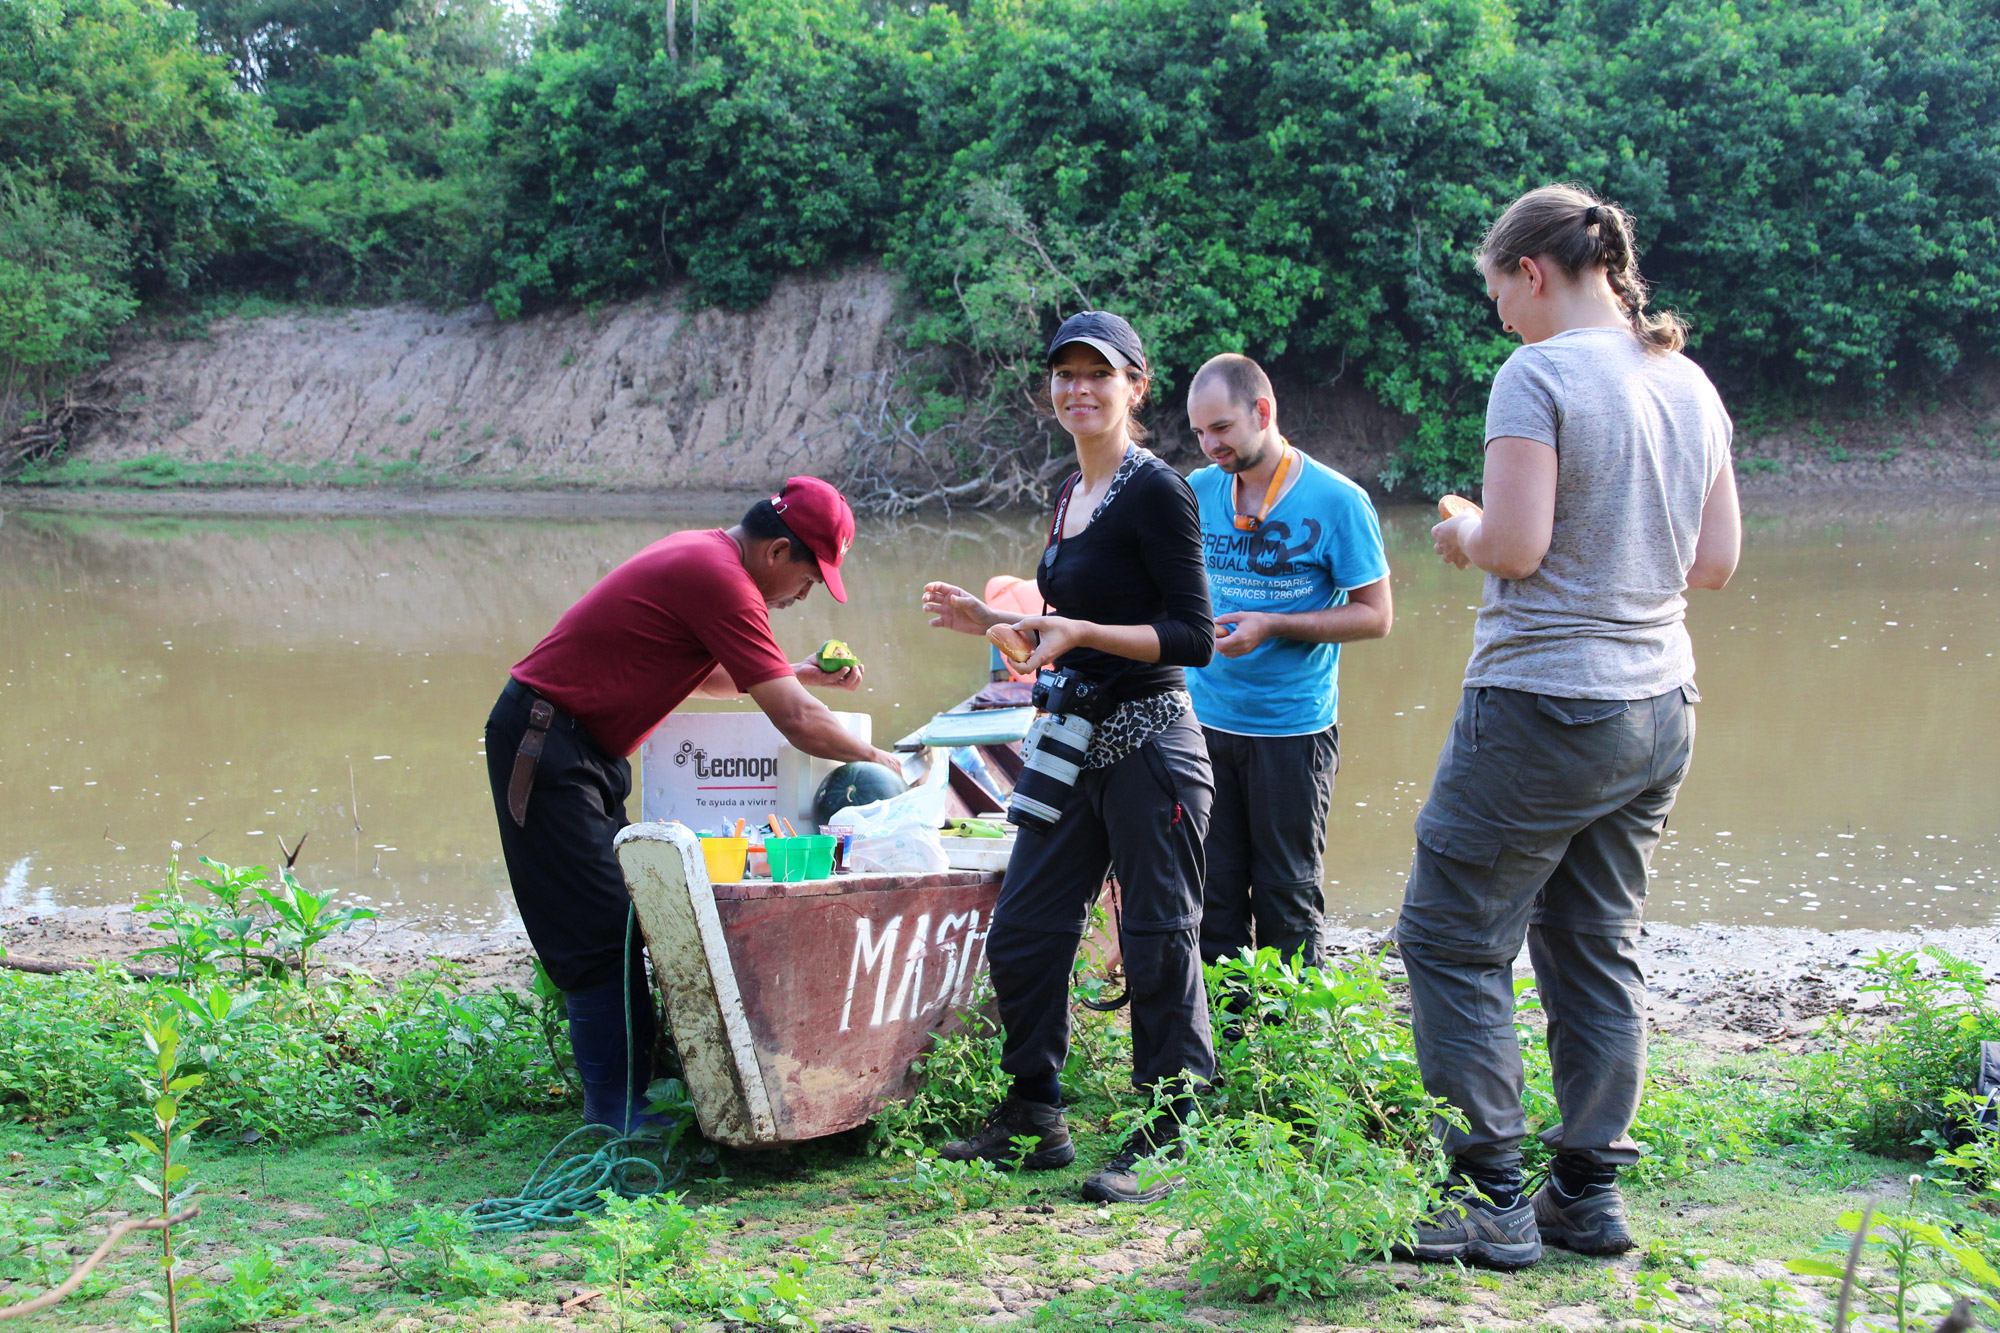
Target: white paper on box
x,y
708,770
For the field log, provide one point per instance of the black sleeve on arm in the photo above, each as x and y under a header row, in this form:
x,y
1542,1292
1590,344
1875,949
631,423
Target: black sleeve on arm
x,y
1170,540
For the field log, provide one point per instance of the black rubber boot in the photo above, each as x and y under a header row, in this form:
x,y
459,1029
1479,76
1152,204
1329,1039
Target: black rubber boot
x,y
614,1079
1018,1118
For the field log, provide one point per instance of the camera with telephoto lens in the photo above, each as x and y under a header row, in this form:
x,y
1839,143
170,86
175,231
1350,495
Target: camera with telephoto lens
x,y
1052,754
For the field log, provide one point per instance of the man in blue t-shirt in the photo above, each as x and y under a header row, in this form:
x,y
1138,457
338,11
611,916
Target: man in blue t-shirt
x,y
1295,569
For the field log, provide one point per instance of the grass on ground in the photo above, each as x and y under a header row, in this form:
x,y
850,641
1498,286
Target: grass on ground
x,y
897,1256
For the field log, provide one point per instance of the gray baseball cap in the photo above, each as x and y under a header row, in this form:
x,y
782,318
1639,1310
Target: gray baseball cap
x,y
1108,333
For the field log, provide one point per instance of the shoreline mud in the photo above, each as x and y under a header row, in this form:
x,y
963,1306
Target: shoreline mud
x,y
1971,481
1728,987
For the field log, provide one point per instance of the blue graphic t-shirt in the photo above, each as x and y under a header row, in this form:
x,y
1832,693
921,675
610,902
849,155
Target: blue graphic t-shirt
x,y
1321,539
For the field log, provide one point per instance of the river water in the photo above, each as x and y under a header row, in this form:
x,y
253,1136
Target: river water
x,y
228,682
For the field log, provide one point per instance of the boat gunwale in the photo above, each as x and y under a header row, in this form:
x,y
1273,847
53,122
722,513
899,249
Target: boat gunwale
x,y
759,890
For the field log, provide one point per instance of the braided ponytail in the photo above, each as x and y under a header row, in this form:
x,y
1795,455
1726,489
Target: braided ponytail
x,y
1578,231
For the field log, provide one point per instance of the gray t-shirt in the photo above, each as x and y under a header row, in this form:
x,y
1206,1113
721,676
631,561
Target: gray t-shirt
x,y
1639,438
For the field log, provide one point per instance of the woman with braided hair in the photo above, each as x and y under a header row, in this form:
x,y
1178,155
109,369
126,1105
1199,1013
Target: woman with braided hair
x,y
1608,494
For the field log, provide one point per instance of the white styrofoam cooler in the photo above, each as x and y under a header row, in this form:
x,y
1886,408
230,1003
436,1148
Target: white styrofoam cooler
x,y
710,769
978,853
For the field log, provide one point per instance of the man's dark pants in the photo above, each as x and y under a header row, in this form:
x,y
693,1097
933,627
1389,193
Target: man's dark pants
x,y
1267,842
1541,823
572,896
1145,816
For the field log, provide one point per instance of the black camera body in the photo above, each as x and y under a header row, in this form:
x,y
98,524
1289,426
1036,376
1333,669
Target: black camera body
x,y
1064,691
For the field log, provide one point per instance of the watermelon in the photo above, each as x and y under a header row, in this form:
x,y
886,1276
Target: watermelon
x,y
854,784
834,656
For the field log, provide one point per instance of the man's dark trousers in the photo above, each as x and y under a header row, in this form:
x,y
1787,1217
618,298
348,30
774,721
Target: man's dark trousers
x,y
572,896
1143,816
1267,842
1541,824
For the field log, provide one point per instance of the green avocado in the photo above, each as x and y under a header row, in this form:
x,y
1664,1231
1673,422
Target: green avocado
x,y
834,655
857,783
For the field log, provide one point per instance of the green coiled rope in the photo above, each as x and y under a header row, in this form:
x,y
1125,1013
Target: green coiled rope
x,y
565,1195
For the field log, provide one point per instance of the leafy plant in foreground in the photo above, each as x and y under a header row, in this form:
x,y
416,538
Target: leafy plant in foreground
x,y
961,1082
171,1135
258,1288
368,1194
655,1251
305,920
1889,1085
191,937
445,1260
1910,1265
237,923
937,1183
1317,1155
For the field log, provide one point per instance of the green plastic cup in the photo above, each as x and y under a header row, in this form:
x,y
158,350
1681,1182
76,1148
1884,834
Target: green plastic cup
x,y
794,859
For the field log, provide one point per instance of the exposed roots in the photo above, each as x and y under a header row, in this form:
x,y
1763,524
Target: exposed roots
x,y
41,435
991,456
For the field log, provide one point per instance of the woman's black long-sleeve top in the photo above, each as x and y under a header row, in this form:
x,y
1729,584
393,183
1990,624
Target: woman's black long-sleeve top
x,y
1138,563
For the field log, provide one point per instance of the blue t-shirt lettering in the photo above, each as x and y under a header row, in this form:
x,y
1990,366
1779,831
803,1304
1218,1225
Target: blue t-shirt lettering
x,y
1321,539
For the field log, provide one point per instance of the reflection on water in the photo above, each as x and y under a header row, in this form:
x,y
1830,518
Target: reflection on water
x,y
227,683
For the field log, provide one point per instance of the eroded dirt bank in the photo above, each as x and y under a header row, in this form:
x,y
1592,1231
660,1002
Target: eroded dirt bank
x,y
652,397
644,393
1732,987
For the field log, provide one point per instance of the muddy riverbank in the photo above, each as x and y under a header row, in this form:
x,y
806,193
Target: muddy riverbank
x,y
324,410
1730,987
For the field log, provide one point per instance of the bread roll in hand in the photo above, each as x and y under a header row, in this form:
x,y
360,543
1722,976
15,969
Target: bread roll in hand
x,y
1014,644
1455,506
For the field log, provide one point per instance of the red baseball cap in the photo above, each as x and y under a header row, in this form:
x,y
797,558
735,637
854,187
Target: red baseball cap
x,y
820,516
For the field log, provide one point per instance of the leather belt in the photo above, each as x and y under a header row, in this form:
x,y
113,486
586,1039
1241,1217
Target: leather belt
x,y
522,785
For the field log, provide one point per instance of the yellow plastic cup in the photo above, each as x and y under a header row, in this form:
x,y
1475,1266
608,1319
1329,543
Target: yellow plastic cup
x,y
725,858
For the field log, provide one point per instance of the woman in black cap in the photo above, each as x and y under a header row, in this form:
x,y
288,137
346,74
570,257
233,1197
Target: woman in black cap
x,y
1128,608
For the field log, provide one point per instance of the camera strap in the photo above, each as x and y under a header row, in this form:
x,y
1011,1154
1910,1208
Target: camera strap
x,y
1062,513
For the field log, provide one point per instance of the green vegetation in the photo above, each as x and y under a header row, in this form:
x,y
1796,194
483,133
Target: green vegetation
x,y
336,1132
1305,180
1317,1155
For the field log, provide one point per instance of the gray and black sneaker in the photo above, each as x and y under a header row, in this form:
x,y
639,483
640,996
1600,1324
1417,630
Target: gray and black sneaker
x,y
1018,1118
1140,1171
1592,1222
1470,1229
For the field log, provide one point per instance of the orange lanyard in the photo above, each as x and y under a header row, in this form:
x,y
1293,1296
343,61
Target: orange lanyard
x,y
1245,522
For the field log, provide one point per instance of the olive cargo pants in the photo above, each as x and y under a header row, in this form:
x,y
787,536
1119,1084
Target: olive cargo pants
x,y
1541,824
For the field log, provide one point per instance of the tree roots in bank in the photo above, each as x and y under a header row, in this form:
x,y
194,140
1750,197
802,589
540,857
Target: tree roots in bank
x,y
40,435
987,453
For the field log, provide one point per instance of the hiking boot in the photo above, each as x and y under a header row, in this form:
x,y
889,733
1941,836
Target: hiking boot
x,y
1470,1229
1124,1180
1017,1118
1590,1222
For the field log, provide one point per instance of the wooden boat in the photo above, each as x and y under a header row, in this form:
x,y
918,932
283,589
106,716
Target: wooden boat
x,y
799,1008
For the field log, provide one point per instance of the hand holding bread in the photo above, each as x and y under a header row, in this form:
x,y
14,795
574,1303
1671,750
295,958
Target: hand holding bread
x,y
1014,644
1457,506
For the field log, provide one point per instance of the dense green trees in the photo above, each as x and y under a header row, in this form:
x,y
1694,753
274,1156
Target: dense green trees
x,y
1817,180
128,159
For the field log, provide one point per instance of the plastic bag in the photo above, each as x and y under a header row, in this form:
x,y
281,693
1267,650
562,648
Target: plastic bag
x,y
899,835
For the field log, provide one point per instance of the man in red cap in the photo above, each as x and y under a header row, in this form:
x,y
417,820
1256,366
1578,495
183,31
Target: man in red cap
x,y
689,615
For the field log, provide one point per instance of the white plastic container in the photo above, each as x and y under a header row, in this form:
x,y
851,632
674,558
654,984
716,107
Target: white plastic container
x,y
978,853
